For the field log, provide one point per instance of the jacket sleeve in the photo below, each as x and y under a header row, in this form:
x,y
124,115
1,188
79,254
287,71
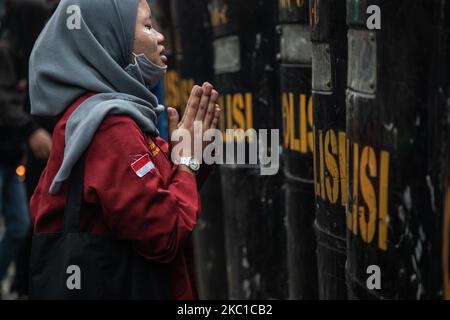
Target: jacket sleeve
x,y
14,117
155,215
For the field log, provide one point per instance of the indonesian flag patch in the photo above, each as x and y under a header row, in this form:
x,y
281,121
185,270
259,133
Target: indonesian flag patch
x,y
142,166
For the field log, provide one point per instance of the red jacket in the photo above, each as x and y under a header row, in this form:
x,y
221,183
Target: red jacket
x,y
157,212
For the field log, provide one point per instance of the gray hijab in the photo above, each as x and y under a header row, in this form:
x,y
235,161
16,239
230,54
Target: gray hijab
x,y
67,62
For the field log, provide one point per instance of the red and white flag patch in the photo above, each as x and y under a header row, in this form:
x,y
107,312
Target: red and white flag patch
x,y
142,166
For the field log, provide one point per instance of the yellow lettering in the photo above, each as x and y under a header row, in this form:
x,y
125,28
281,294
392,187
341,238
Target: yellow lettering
x,y
383,210
314,14
299,137
355,188
303,137
238,116
219,16
348,210
295,143
332,191
343,166
228,107
286,122
222,126
372,214
322,187
171,83
368,161
316,184
287,4
311,124
249,111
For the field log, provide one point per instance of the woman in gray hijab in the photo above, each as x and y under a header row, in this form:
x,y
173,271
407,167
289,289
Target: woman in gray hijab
x,y
91,66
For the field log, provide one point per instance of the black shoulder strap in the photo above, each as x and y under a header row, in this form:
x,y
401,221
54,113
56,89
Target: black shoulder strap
x,y
74,198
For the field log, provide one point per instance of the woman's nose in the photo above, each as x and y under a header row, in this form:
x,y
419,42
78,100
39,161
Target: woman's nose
x,y
161,38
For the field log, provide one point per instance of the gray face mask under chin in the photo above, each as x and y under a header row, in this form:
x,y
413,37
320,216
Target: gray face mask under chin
x,y
145,71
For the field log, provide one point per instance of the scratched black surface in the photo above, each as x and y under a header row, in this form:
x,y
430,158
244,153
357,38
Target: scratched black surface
x,y
404,118
193,38
255,235
329,27
295,79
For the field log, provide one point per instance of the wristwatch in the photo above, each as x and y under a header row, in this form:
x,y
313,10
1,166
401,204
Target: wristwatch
x,y
191,163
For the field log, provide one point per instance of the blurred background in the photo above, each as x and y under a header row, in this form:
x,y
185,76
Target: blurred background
x,y
359,89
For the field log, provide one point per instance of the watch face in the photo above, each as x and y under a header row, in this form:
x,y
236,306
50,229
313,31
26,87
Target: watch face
x,y
194,164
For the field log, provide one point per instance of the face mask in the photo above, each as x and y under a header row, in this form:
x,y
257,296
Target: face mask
x,y
145,71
